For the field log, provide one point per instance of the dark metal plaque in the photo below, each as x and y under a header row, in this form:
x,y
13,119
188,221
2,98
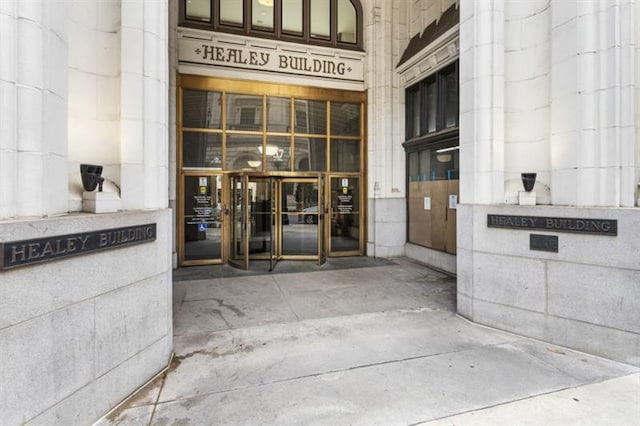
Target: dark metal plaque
x,y
27,252
543,242
607,227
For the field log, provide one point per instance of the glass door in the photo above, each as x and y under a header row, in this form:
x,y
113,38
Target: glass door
x,y
259,223
202,219
300,218
345,236
239,200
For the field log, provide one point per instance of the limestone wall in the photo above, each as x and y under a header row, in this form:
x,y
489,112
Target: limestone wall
x,y
547,87
586,296
81,333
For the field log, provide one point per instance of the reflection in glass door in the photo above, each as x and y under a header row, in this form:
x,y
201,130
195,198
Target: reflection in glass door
x,y
202,235
300,218
260,210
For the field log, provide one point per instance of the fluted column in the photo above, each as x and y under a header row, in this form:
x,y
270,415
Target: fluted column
x,y
33,94
144,120
481,101
593,147
527,89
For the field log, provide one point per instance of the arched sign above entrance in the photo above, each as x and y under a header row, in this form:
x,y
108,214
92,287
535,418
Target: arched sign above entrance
x,y
279,57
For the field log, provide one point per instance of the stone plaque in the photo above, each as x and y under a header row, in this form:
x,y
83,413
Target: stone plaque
x,y
555,224
27,252
543,242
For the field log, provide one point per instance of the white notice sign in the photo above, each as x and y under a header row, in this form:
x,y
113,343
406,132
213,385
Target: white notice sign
x,y
453,201
427,203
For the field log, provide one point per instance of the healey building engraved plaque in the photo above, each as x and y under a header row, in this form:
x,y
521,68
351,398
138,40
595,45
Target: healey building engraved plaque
x,y
27,252
555,224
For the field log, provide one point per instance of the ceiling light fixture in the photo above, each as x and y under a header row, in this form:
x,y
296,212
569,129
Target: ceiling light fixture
x,y
453,148
271,150
267,3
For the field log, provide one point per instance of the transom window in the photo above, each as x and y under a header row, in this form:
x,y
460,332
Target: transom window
x,y
336,23
244,130
432,104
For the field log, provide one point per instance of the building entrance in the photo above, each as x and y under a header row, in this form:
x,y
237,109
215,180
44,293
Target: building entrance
x,y
268,172
273,218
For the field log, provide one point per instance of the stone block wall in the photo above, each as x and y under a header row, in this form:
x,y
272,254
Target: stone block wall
x,y
586,296
81,333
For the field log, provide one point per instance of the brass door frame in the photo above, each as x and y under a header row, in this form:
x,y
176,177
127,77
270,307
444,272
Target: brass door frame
x,y
225,86
361,215
308,179
180,217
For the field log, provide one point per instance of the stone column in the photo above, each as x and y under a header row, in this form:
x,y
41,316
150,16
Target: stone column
x,y
482,101
527,100
592,131
386,158
144,112
33,113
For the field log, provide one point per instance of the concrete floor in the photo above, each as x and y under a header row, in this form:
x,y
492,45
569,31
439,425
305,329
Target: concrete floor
x,y
362,342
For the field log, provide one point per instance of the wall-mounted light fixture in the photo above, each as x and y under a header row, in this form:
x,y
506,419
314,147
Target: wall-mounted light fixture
x,y
91,177
528,181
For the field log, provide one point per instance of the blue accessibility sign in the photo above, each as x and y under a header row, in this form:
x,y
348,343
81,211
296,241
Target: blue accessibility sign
x,y
202,227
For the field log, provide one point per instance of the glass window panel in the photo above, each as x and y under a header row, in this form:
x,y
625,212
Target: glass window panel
x,y
345,155
348,202
202,150
444,163
432,107
305,195
425,165
232,12
346,22
198,10
428,164
262,14
292,17
202,217
201,109
345,119
279,115
450,99
415,108
345,218
260,217
243,152
345,232
310,154
300,238
244,112
414,167
278,155
311,117
321,19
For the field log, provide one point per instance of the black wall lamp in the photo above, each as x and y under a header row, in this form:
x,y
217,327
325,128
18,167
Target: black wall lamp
x,y
528,181
91,177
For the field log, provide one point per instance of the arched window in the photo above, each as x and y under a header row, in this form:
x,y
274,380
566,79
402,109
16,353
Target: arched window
x,y
336,23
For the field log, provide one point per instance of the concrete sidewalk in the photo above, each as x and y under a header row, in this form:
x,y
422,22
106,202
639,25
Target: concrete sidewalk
x,y
379,345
